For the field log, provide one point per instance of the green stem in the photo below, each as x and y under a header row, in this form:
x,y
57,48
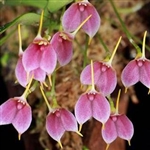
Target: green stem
x,y
53,90
26,92
92,76
112,107
117,102
114,51
20,40
141,42
85,59
46,100
125,29
41,23
143,48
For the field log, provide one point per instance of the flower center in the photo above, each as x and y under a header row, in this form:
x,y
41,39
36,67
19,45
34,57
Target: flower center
x,y
104,68
91,96
139,63
57,113
42,48
82,6
63,36
114,118
20,104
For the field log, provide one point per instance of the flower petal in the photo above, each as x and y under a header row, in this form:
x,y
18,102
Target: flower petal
x,y
85,76
71,18
130,74
93,24
63,47
109,133
83,110
107,80
8,111
48,60
23,117
20,73
68,120
124,127
100,108
54,126
39,74
31,57
145,73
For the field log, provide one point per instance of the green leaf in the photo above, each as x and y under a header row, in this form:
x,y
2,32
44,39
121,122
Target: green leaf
x,y
55,5
34,3
27,19
51,5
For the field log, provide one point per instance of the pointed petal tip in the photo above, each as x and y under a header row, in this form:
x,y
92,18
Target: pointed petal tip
x,y
107,146
80,127
125,90
60,144
103,126
90,39
79,133
19,136
129,142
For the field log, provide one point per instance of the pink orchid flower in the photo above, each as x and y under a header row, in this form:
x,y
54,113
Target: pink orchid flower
x,y
137,70
18,112
118,125
40,54
58,121
22,76
20,72
105,77
78,12
63,44
92,104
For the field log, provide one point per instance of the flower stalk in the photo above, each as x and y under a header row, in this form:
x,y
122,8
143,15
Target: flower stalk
x,y
124,28
46,100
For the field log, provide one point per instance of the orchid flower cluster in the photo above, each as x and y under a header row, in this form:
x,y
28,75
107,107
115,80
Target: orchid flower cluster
x,y
38,62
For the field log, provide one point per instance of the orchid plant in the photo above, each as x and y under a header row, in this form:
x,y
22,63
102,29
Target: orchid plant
x,y
39,61
118,125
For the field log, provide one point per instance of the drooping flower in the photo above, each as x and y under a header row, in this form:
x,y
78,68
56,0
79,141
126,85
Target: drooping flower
x,y
20,72
63,46
92,104
58,121
22,76
40,54
137,70
118,125
18,112
62,42
78,12
105,77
